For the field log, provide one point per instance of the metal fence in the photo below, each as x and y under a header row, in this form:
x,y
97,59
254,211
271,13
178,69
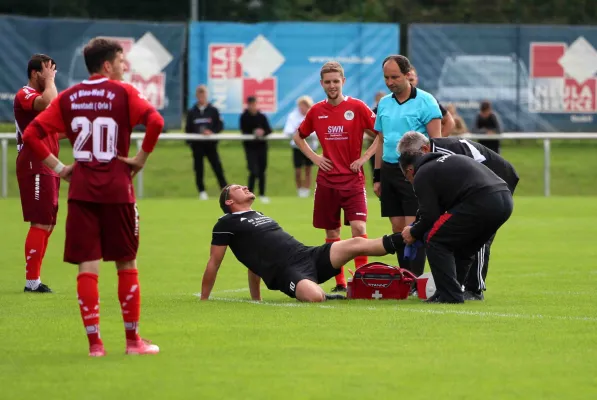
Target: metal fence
x,y
138,138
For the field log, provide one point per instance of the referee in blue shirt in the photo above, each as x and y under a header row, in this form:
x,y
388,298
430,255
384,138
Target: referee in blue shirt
x,y
405,109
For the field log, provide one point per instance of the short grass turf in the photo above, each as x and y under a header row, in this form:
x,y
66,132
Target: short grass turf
x,y
533,338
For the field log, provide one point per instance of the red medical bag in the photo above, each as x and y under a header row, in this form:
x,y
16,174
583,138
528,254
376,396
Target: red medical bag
x,y
380,281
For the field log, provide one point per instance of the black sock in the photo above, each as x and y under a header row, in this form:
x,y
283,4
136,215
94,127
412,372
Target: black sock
x,y
402,262
417,266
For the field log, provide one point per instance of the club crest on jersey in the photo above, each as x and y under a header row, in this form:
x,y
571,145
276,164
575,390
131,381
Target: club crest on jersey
x,y
349,115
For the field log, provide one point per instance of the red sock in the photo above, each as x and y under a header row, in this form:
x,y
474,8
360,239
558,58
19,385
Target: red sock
x,y
340,278
34,251
46,239
129,295
361,260
88,296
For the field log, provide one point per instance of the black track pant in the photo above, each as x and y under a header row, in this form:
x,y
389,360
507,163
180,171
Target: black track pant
x,y
459,234
257,164
475,280
209,150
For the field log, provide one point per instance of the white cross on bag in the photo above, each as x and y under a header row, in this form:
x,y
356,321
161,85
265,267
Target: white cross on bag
x,y
377,295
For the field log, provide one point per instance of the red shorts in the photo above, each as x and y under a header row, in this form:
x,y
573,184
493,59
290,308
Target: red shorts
x,y
97,231
329,202
39,198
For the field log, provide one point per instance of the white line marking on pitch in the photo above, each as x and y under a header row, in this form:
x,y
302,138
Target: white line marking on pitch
x,y
418,310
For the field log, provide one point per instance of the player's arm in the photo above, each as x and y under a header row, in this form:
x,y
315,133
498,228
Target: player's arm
x,y
370,152
47,123
50,92
142,112
429,209
254,288
303,132
216,255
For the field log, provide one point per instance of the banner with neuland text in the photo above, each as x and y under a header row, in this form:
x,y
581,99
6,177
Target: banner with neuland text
x,y
154,55
279,62
538,78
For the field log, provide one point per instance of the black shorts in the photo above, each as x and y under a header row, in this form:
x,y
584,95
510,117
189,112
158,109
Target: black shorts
x,y
312,263
299,159
397,195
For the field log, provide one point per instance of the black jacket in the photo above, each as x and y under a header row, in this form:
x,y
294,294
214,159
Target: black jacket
x,y
201,119
442,181
479,153
250,122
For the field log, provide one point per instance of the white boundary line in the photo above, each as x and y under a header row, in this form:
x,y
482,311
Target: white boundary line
x,y
403,309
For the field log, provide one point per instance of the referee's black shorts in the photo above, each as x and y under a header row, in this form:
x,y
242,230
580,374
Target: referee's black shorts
x,y
397,195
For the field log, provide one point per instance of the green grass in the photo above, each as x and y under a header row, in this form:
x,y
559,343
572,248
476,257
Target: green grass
x,y
533,338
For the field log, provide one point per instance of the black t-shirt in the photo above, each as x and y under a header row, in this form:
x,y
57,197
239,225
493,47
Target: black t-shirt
x,y
443,181
500,166
258,242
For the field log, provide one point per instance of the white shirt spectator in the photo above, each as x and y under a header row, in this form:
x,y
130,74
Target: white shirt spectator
x,y
293,121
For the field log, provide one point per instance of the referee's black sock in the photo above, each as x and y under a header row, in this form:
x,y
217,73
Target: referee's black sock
x,y
402,262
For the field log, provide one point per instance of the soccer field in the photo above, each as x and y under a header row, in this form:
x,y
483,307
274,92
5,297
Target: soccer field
x,y
534,337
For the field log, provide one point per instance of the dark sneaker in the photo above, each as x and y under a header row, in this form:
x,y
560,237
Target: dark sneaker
x,y
335,297
437,299
42,288
468,295
339,288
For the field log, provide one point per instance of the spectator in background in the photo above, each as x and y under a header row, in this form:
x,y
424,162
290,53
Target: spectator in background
x,y
253,122
369,139
447,120
459,124
205,119
300,161
487,123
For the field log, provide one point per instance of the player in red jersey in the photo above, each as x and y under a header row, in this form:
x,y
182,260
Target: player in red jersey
x,y
38,185
98,116
339,122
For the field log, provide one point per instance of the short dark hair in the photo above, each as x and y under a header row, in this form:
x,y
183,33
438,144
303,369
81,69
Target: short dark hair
x,y
251,99
409,158
223,197
485,105
403,62
98,51
36,63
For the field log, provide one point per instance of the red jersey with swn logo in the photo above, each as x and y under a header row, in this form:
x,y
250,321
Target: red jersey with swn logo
x,y
98,116
340,131
27,162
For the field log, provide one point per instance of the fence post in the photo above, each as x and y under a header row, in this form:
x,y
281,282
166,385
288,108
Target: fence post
x,y
4,167
140,174
546,167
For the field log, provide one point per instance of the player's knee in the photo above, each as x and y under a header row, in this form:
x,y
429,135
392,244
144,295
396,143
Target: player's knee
x,y
47,228
397,226
309,292
332,234
358,228
129,264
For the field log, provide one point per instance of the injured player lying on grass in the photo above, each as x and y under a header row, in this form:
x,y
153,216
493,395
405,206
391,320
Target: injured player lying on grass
x,y
271,254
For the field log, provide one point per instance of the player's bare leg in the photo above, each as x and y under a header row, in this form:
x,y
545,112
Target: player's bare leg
x,y
36,244
333,236
359,229
129,295
88,297
346,250
309,291
307,180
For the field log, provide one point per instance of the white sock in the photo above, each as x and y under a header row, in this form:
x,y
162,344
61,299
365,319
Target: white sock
x,y
33,283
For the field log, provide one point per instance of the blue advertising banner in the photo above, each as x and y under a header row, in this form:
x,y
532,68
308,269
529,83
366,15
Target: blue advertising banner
x,y
538,78
279,62
154,53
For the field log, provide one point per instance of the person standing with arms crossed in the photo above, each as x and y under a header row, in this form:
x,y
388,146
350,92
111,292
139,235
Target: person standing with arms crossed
x,y
339,122
405,109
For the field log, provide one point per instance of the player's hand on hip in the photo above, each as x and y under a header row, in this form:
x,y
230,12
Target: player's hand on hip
x,y
136,163
66,172
377,189
324,163
356,165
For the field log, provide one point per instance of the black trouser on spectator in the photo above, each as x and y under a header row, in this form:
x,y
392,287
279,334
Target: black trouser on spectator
x,y
257,164
209,150
475,280
458,234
